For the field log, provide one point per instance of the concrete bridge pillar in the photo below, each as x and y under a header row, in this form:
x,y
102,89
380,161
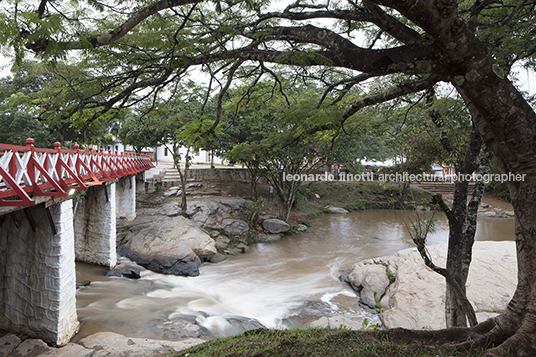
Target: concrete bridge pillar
x,y
94,226
37,272
140,183
126,197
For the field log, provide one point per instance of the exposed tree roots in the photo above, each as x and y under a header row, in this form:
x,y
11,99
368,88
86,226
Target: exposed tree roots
x,y
485,335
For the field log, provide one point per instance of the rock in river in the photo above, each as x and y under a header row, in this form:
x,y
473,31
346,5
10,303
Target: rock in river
x,y
275,226
169,245
127,270
370,280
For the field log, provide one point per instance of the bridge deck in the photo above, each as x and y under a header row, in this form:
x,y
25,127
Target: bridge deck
x,y
29,175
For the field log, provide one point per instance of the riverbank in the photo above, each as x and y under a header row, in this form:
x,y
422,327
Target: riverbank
x,y
314,198
325,342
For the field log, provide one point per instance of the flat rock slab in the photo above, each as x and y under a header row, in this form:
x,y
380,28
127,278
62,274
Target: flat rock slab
x,y
353,323
31,348
111,344
337,210
418,294
69,350
8,343
268,238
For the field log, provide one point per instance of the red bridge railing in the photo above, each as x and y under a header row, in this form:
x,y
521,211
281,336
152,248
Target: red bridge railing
x,y
27,172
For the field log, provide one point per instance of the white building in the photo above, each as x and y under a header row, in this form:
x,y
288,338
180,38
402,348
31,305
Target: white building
x,y
198,156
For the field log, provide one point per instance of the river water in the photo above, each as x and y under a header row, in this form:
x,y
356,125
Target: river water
x,y
289,283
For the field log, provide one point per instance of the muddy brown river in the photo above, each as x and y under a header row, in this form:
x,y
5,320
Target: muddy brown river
x,y
289,283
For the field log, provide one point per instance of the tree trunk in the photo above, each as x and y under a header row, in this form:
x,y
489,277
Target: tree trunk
x,y
456,259
462,232
507,124
462,221
184,178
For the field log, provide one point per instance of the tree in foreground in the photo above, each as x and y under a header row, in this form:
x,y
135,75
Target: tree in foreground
x,y
130,51
440,131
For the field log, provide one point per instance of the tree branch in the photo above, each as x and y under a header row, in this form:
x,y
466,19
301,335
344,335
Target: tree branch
x,y
41,9
399,91
118,32
340,51
392,26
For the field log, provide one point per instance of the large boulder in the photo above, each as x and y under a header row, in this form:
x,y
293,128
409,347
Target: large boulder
x,y
169,245
416,300
274,226
222,242
127,270
370,280
235,227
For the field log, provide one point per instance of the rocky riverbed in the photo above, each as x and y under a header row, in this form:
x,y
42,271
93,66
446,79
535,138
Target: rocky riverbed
x,y
162,240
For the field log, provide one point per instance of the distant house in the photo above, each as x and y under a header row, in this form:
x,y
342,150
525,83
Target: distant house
x,y
372,166
163,154
441,172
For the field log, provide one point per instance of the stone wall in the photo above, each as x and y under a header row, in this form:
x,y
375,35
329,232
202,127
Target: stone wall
x,y
155,181
220,174
37,273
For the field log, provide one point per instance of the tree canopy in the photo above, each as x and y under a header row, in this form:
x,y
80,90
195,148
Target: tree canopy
x,y
133,52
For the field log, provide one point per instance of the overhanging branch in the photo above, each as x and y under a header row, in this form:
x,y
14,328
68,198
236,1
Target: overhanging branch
x,y
118,32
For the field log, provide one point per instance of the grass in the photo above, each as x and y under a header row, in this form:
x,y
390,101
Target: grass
x,y
319,342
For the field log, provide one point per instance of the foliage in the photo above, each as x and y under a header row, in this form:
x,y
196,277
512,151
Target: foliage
x,y
141,132
252,211
23,95
268,133
498,187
